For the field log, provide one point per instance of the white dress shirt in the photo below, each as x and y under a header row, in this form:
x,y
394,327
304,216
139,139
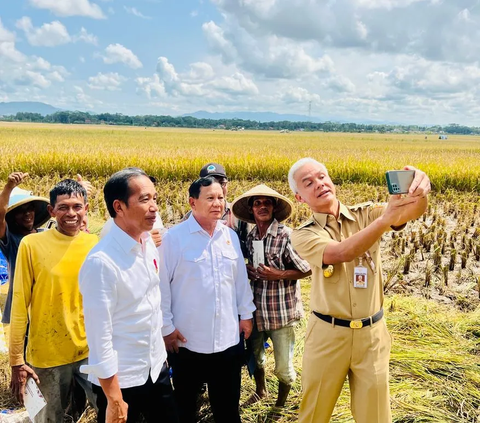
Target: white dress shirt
x,y
119,282
204,286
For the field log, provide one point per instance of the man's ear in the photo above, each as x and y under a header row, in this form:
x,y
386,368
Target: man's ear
x,y
191,201
86,207
299,198
50,211
118,206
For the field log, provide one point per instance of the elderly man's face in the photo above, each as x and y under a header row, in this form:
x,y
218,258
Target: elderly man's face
x,y
262,209
315,188
210,204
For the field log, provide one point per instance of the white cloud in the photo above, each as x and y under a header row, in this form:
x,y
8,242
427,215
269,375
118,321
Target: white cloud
x,y
298,95
200,71
52,34
117,53
70,8
84,100
48,35
106,81
86,37
201,81
235,84
133,11
271,56
35,79
194,13
151,87
5,34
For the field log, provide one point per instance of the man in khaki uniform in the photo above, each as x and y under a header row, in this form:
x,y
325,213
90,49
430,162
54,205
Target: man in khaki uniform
x,y
346,334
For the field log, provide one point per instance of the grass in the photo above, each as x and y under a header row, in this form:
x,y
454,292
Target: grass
x,y
435,374
170,154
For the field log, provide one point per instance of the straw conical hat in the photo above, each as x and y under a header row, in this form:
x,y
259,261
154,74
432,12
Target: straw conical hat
x,y
241,209
19,197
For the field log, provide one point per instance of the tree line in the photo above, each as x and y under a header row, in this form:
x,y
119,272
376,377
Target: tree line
x,y
76,117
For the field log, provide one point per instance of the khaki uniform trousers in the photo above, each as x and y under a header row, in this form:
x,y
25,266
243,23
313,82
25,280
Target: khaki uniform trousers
x,y
332,353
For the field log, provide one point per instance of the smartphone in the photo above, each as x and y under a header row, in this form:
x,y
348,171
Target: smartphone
x,y
399,181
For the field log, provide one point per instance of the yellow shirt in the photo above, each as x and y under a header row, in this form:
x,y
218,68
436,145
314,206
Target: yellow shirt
x,y
335,295
46,290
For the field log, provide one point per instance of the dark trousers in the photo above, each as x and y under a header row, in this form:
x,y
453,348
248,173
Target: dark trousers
x,y
154,401
222,373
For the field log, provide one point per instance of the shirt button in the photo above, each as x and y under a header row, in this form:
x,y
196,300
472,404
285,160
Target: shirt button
x,y
354,304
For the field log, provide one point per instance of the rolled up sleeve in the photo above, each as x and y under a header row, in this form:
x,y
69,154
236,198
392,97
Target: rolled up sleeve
x,y
97,285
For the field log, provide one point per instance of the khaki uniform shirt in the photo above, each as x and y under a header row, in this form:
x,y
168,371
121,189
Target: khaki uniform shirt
x,y
335,295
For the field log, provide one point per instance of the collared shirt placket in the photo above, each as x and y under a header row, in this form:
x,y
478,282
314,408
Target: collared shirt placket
x,y
154,322
216,256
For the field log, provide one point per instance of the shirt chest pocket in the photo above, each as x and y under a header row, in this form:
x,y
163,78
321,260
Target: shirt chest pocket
x,y
229,260
331,274
273,260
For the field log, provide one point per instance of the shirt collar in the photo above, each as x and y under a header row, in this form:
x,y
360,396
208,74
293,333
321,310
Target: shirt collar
x,y
321,218
272,229
126,242
194,226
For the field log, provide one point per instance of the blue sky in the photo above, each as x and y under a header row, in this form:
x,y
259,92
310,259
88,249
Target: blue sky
x,y
412,61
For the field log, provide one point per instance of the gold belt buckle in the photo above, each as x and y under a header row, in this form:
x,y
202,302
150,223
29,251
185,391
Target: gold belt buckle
x,y
356,324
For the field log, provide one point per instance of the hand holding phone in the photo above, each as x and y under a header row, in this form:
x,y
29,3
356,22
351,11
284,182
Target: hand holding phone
x,y
399,181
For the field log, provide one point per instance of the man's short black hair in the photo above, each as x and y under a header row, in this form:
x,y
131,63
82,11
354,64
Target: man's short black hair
x,y
117,187
67,187
194,190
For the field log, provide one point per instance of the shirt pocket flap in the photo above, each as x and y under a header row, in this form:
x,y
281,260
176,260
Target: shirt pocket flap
x,y
230,253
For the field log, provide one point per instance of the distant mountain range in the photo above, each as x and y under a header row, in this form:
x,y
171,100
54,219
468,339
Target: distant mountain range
x,y
255,116
13,107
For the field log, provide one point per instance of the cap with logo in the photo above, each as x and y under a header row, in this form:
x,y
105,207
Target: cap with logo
x,y
213,169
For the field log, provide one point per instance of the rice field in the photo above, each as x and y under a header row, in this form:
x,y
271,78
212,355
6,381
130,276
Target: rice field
x,y
432,268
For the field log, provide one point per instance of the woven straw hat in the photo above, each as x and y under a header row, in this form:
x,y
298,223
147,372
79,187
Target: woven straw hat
x,y
241,209
19,197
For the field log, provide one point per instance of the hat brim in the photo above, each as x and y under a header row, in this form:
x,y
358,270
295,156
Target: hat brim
x,y
41,212
282,210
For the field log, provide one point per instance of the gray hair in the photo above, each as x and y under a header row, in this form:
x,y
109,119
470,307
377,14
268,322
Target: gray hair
x,y
296,166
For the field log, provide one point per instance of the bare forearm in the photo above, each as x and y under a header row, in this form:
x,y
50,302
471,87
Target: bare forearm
x,y
4,197
294,275
111,388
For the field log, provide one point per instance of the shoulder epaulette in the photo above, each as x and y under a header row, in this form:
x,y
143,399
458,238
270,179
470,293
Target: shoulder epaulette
x,y
309,222
361,205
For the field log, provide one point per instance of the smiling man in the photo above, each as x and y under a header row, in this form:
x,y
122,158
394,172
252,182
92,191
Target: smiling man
x,y
47,294
121,298
206,303
346,333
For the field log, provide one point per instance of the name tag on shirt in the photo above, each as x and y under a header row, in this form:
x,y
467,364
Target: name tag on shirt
x,y
360,277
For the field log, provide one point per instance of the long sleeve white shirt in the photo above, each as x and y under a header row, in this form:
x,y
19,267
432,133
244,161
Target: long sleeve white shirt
x,y
204,286
119,282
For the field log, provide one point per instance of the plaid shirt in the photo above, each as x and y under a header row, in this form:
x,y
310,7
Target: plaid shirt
x,y
279,303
